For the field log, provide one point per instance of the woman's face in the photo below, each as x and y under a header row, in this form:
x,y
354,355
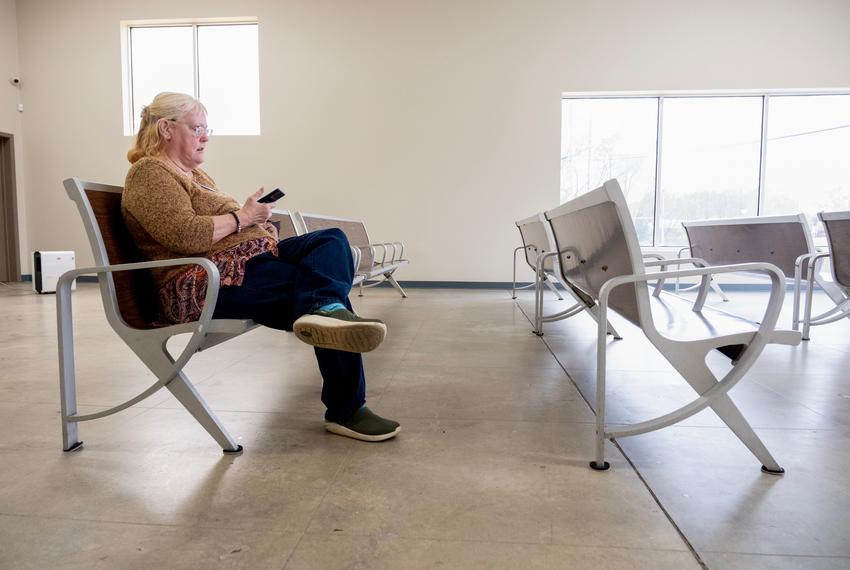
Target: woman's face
x,y
182,144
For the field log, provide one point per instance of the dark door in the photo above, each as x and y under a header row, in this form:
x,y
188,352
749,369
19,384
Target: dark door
x,y
10,267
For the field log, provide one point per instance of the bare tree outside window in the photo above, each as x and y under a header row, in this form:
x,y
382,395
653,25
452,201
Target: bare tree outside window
x,y
611,138
713,162
808,156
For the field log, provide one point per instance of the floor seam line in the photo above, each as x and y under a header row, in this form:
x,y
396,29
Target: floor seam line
x,y
312,516
628,459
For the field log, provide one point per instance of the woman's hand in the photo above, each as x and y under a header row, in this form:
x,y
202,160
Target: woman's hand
x,y
252,212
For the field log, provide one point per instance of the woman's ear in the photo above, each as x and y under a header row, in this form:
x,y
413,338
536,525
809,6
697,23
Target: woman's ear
x,y
164,128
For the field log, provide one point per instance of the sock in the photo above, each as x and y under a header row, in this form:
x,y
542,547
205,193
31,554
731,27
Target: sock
x,y
332,307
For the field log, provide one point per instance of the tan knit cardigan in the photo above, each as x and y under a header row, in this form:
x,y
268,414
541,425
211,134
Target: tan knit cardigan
x,y
170,215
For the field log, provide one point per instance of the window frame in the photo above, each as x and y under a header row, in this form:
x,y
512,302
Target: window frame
x,y
765,95
127,55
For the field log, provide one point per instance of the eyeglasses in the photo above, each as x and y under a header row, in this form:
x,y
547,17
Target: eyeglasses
x,y
197,130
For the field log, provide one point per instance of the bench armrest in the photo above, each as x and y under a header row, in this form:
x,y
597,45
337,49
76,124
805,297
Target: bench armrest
x,y
63,291
209,267
767,324
356,256
363,248
383,247
705,282
398,250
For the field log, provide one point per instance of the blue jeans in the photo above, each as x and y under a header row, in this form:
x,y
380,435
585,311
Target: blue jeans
x,y
309,271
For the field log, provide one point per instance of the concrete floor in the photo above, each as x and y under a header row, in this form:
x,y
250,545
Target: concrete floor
x,y
490,470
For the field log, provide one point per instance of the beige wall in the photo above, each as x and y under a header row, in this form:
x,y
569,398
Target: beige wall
x,y
438,122
10,118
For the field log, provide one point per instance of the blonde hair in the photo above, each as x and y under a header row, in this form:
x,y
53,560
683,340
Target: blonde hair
x,y
165,106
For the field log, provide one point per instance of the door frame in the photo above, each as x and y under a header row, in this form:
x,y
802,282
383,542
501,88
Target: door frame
x,y
11,269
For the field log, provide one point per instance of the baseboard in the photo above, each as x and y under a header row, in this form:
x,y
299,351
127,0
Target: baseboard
x,y
492,284
81,279
507,285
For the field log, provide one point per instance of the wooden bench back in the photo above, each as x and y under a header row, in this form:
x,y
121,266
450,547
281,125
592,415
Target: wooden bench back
x,y
533,233
596,238
773,239
135,292
837,225
355,232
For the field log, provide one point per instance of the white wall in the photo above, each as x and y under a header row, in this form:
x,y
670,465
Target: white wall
x,y
438,122
10,119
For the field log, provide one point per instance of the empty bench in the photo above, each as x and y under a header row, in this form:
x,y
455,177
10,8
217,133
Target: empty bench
x,y
535,243
599,254
285,222
784,241
130,302
539,247
376,262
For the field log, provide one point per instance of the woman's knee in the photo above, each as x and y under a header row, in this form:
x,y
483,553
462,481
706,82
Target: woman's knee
x,y
334,234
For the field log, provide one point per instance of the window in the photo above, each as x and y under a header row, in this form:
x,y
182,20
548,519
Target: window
x,y
612,138
216,62
808,139
709,162
685,157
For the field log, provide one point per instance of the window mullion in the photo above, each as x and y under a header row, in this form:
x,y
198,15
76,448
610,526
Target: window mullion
x,y
763,154
195,61
130,78
656,226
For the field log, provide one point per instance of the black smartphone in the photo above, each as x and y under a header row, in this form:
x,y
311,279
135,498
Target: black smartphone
x,y
272,196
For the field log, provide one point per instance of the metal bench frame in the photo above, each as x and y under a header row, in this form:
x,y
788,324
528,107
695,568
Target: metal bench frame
x,y
600,253
836,225
147,340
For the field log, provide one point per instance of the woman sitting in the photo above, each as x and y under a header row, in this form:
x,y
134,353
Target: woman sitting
x,y
173,209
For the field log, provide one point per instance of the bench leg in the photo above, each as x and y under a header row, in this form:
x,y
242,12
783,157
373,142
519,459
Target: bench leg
x,y
552,287
716,287
67,373
725,408
538,302
594,312
732,417
186,394
513,287
807,311
395,284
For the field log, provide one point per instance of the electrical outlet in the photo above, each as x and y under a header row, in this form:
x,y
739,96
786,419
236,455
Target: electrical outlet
x,y
20,107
